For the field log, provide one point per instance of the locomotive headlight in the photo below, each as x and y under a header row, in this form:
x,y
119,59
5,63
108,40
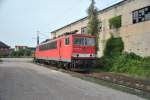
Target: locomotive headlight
x,y
75,55
83,55
94,55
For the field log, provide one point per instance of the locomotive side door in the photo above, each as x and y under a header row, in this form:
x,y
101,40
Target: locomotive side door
x,y
60,45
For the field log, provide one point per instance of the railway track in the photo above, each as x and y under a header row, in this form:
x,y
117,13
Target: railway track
x,y
140,84
140,87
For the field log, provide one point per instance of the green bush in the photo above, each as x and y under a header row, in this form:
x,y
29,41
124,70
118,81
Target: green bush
x,y
114,47
21,53
133,65
115,22
127,63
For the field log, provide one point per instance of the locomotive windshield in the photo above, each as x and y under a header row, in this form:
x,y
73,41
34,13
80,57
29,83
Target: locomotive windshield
x,y
82,41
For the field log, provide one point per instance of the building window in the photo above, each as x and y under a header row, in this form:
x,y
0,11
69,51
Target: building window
x,y
141,15
100,27
84,30
67,41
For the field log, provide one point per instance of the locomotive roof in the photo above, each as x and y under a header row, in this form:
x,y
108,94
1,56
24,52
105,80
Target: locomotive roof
x,y
86,35
49,40
54,39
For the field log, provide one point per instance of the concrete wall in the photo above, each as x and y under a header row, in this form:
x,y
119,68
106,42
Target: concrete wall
x,y
136,37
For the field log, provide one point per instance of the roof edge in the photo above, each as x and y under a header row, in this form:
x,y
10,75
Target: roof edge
x,y
100,11
2,44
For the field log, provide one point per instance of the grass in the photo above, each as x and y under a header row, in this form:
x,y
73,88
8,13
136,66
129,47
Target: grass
x,y
127,63
117,61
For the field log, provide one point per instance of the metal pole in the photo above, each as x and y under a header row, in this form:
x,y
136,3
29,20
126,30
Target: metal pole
x,y
38,37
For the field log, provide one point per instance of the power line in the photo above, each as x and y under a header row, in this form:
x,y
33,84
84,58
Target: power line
x,y
38,37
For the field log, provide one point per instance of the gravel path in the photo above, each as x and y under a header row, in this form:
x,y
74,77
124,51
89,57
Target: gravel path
x,y
22,80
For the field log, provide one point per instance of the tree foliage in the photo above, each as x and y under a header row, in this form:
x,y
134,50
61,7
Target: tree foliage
x,y
93,21
21,53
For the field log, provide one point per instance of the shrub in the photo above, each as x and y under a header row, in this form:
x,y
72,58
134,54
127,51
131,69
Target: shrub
x,y
115,22
102,65
127,63
114,47
21,53
133,65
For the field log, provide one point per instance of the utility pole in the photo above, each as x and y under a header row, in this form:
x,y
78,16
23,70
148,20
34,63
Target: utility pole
x,y
38,36
38,32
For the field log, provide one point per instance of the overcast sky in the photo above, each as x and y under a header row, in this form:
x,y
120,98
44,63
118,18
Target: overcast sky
x,y
20,19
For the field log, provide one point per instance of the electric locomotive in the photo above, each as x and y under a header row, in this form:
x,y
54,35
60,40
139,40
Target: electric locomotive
x,y
70,50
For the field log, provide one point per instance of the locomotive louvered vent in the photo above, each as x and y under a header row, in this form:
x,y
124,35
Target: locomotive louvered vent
x,y
72,32
46,40
69,33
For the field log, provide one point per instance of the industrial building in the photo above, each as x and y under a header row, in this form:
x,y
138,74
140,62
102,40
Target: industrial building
x,y
4,49
134,30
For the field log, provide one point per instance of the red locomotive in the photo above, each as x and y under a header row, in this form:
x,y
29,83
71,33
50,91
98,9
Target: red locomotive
x,y
71,51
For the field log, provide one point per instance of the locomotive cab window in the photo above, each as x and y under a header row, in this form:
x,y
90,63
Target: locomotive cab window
x,y
84,41
67,41
78,41
90,41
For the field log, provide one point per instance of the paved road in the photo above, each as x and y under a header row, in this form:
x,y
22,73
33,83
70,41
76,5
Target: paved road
x,y
22,80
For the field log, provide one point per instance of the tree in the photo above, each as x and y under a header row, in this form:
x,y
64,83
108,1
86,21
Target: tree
x,y
21,53
93,21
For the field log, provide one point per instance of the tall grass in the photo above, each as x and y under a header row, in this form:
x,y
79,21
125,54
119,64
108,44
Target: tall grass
x,y
127,64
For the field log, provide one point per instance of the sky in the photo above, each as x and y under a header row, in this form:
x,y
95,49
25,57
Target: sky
x,y
21,19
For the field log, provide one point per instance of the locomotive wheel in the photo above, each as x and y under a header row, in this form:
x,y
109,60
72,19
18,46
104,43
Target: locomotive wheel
x,y
59,65
72,65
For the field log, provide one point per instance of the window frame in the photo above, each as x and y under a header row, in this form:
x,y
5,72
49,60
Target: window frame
x,y
100,26
83,41
84,30
67,41
48,46
138,17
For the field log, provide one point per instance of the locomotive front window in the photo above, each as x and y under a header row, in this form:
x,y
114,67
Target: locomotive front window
x,y
90,41
79,41
84,41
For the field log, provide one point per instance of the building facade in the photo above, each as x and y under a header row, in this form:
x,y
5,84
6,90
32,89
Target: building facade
x,y
134,30
17,48
4,49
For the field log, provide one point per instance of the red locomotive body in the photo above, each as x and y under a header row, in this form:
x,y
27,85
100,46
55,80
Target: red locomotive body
x,y
72,51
